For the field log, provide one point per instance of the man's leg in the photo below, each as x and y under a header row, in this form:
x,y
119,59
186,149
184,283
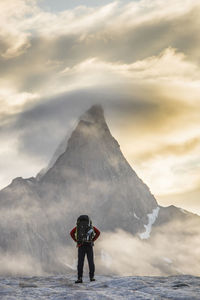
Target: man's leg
x,y
90,257
81,256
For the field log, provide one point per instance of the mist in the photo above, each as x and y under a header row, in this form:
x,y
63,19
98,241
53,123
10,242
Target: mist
x,y
169,251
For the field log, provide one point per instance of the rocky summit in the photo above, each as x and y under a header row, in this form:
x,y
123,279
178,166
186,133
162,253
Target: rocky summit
x,y
92,176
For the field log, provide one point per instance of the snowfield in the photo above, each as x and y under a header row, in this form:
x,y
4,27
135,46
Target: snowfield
x,y
106,287
152,218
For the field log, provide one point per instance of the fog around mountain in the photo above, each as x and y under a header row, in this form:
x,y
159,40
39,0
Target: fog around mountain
x,y
91,176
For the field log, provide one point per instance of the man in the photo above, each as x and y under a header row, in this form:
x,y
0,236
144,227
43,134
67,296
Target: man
x,y
84,234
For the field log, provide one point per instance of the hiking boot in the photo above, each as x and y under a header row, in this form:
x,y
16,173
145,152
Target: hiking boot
x,y
92,279
79,280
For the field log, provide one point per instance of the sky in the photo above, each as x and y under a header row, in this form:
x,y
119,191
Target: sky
x,y
139,59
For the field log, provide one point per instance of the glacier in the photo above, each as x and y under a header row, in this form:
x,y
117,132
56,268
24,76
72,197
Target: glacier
x,y
106,287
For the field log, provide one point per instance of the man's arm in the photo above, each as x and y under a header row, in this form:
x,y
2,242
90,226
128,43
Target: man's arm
x,y
97,233
72,233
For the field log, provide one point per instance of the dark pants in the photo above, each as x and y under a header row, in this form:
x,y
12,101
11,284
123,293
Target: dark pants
x,y
82,250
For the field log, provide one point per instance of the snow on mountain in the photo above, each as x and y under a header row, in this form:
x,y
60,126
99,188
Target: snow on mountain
x,y
152,218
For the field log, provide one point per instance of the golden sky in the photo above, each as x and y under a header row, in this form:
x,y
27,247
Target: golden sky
x,y
139,59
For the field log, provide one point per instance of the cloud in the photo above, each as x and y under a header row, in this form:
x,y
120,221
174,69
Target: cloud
x,y
150,258
109,33
171,149
137,258
43,124
13,102
15,38
19,264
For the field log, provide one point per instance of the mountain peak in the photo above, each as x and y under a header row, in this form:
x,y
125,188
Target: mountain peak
x,y
92,125
93,172
94,114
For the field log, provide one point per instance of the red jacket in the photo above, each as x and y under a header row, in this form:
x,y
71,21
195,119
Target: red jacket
x,y
97,234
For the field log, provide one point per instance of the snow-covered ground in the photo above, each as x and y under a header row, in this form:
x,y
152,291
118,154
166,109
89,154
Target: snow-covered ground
x,y
105,287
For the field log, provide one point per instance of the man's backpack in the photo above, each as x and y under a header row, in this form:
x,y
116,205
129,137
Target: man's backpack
x,y
84,230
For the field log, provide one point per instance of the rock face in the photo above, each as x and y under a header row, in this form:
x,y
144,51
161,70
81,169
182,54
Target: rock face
x,y
93,177
90,177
